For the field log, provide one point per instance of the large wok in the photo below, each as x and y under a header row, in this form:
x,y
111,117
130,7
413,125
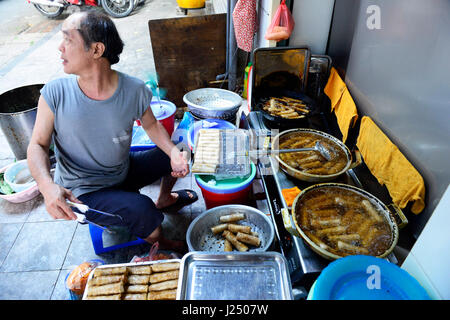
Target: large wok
x,y
276,122
375,201
304,176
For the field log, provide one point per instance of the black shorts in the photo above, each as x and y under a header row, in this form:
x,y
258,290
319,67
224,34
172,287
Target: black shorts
x,y
139,213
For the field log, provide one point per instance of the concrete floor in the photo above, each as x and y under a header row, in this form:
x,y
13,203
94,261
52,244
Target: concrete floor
x,y
37,252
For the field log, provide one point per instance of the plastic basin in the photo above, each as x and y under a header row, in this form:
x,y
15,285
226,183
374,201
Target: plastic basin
x,y
21,196
206,124
230,191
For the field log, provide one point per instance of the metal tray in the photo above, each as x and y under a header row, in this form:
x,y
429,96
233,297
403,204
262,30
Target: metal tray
x,y
236,276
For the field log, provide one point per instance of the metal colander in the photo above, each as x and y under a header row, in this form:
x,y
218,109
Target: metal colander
x,y
199,236
213,103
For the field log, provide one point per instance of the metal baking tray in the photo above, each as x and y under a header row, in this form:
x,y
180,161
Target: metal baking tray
x,y
234,276
129,264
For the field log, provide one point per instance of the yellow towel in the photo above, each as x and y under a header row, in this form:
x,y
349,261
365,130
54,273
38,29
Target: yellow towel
x,y
335,88
346,114
390,167
342,103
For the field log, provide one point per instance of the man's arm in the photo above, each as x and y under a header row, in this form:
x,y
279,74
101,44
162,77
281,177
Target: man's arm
x,y
158,134
39,163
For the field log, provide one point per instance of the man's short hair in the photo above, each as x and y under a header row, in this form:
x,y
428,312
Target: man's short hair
x,y
98,27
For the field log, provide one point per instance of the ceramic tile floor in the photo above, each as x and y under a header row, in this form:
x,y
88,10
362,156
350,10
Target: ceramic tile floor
x,y
37,252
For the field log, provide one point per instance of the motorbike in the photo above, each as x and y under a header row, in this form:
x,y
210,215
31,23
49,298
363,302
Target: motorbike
x,y
114,8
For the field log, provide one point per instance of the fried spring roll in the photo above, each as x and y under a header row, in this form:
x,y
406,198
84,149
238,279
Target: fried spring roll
x,y
227,246
106,289
135,296
166,266
165,285
162,295
364,227
330,231
109,297
232,217
317,241
326,213
109,271
137,288
372,211
369,236
235,228
325,222
351,248
345,237
163,276
98,281
138,279
248,239
235,242
147,269
219,228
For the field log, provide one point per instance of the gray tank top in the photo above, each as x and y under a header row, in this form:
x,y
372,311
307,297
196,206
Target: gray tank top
x,y
92,138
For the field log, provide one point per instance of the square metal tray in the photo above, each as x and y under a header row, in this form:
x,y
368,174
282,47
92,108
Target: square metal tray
x,y
234,276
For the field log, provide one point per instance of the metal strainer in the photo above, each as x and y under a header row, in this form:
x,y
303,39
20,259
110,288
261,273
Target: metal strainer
x,y
199,236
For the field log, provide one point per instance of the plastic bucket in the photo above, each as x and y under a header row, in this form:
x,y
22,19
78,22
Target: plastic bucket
x,y
164,112
230,191
206,124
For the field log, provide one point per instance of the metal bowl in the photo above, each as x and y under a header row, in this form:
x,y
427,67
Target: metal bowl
x,y
213,103
200,238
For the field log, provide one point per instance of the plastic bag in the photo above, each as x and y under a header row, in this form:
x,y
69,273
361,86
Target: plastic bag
x,y
77,279
282,24
156,254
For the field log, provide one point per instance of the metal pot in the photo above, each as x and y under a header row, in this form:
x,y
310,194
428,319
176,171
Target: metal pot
x,y
18,109
375,201
213,103
200,238
304,176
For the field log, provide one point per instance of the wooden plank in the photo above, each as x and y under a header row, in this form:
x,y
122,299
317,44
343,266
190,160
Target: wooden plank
x,y
189,52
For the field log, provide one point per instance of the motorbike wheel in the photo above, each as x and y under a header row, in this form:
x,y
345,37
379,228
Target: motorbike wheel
x,y
49,11
118,8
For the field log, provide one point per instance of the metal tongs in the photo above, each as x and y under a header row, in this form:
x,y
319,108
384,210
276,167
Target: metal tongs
x,y
83,208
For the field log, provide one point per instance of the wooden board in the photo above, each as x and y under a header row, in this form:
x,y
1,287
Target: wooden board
x,y
189,52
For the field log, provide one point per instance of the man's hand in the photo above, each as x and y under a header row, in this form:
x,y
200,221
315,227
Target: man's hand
x,y
55,201
179,163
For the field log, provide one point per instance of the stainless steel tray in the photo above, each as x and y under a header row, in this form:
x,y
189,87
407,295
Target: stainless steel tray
x,y
236,276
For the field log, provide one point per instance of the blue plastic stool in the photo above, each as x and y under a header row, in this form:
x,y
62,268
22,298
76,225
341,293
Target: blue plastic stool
x,y
97,241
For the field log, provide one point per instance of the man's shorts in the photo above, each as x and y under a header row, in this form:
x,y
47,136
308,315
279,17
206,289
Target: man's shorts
x,y
139,213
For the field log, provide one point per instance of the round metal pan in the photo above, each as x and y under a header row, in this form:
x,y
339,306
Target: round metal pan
x,y
375,201
304,176
275,122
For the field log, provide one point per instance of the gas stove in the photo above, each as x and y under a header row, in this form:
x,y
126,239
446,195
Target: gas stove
x,y
305,265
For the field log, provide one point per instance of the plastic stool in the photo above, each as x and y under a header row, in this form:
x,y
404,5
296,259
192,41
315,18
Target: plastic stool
x,y
97,241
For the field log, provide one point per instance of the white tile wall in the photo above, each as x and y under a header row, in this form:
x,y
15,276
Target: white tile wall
x,y
429,259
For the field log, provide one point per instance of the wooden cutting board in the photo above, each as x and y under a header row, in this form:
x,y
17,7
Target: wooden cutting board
x,y
189,52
